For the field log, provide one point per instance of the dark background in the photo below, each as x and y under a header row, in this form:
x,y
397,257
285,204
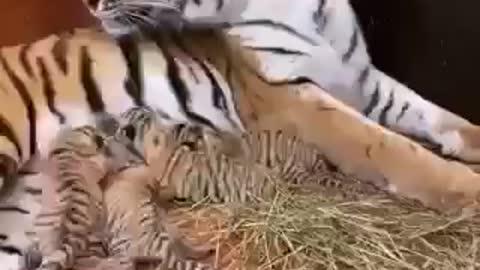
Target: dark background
x,y
431,45
28,20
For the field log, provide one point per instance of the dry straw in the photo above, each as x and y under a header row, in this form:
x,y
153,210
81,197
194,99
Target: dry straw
x,y
307,230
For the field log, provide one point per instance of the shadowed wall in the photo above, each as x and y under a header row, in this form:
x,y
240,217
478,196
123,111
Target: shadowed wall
x,y
431,45
28,20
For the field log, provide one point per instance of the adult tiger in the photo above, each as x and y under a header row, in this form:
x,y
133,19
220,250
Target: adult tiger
x,y
205,77
317,39
325,49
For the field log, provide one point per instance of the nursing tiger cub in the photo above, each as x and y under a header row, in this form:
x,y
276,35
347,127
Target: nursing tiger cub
x,y
137,229
80,227
287,159
185,167
72,200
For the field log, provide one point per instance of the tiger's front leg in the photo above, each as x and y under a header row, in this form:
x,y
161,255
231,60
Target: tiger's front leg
x,y
362,147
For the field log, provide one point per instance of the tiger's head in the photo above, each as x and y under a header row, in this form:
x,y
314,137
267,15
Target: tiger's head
x,y
120,17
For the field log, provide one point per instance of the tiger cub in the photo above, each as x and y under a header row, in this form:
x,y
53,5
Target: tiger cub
x,y
136,226
184,166
282,157
72,199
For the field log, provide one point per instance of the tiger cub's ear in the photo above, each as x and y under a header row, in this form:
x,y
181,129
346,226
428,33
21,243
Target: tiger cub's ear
x,y
107,123
224,142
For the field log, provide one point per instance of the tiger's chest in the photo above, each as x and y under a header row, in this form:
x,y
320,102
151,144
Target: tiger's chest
x,y
68,81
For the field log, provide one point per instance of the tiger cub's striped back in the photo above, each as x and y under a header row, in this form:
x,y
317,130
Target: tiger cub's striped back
x,y
294,160
187,168
72,205
136,227
277,154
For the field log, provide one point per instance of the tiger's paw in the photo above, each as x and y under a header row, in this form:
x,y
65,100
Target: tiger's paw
x,y
470,150
57,260
8,171
204,266
460,143
95,263
198,253
461,190
32,258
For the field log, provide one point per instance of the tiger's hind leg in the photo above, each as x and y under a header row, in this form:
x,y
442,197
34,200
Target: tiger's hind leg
x,y
377,95
395,106
339,61
363,148
396,162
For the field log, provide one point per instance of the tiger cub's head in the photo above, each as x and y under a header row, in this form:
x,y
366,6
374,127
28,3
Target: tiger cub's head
x,y
154,134
106,154
146,129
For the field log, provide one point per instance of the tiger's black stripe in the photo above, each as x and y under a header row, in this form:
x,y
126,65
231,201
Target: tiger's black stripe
x,y
293,81
179,88
363,77
48,90
383,114
373,101
319,17
94,98
7,131
11,250
282,82
59,52
133,83
32,191
218,97
276,50
220,4
352,46
24,60
13,209
272,24
27,101
403,110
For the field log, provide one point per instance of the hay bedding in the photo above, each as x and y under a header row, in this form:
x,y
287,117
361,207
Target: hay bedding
x,y
332,228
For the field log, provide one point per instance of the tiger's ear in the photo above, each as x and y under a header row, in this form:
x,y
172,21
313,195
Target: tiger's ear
x,y
107,123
